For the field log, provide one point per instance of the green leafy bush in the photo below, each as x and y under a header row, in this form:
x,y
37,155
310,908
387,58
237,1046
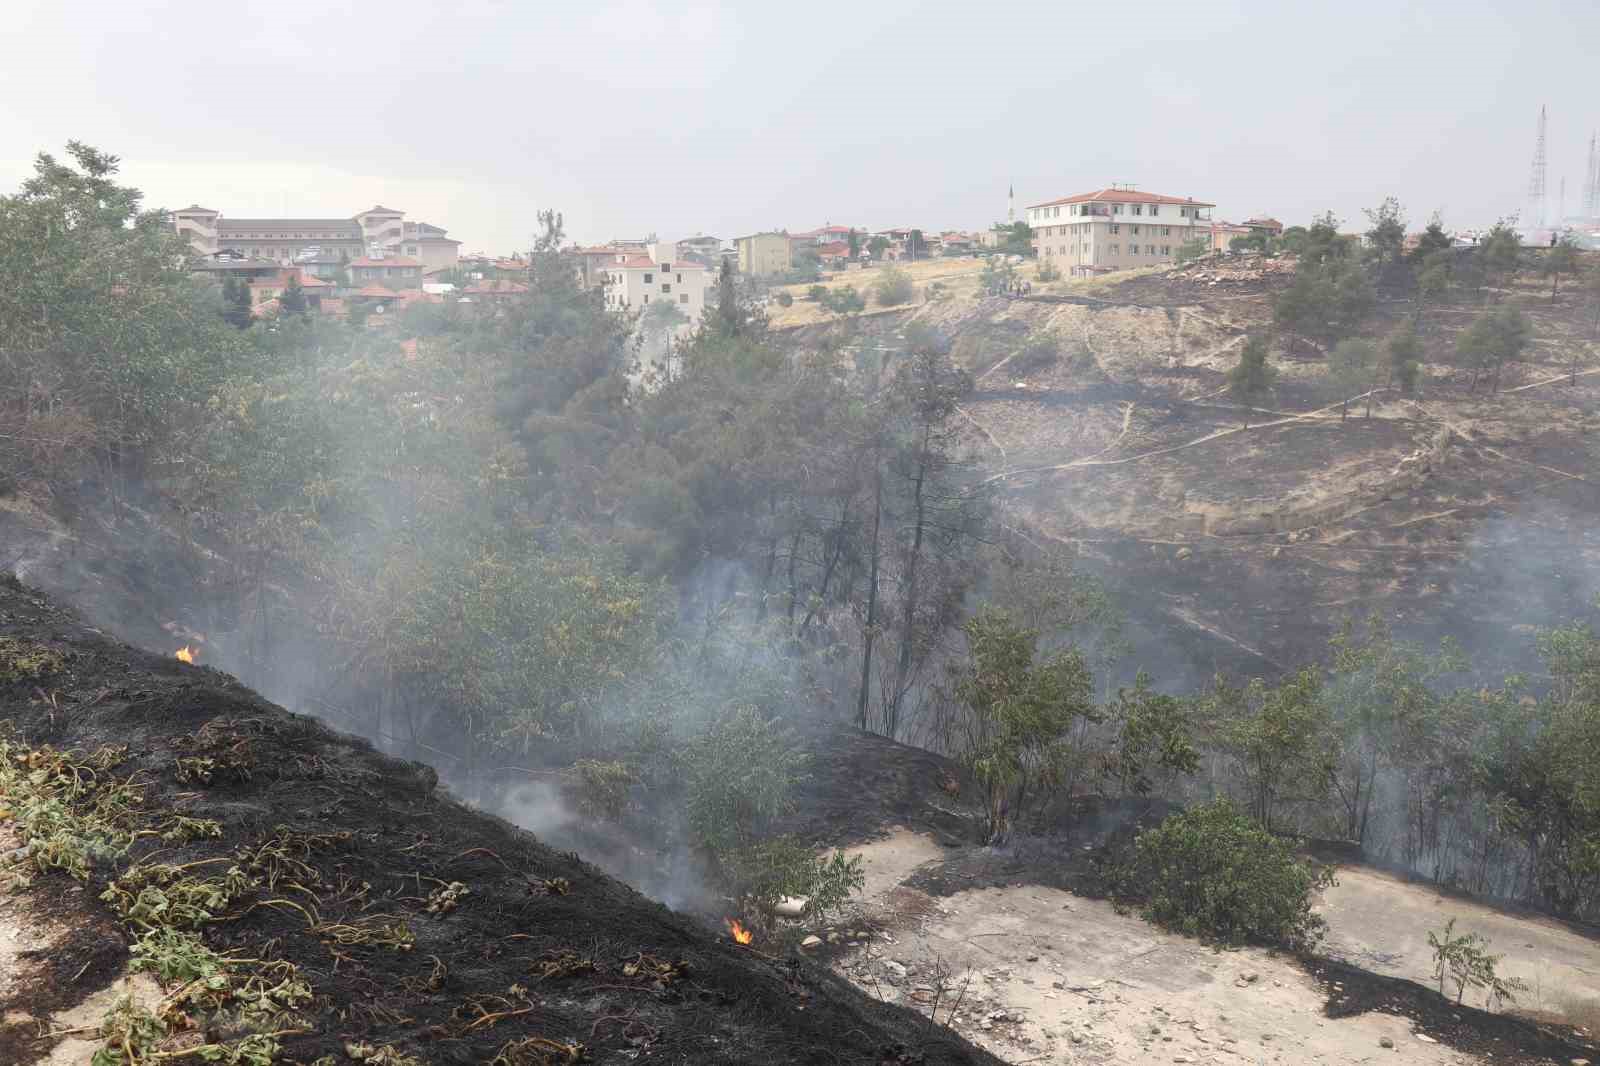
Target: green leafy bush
x,y
765,873
784,299
1467,962
893,288
1211,872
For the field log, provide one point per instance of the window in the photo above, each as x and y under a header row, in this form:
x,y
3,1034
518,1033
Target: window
x,y
683,297
1116,209
1155,209
1138,209
1166,231
1055,212
646,297
1135,229
1166,249
1116,228
648,279
1149,249
680,279
1116,249
665,287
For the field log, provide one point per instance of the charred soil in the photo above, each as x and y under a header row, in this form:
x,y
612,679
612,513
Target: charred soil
x,y
418,924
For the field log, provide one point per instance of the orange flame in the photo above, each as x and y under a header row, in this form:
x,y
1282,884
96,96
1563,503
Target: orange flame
x,y
184,654
741,935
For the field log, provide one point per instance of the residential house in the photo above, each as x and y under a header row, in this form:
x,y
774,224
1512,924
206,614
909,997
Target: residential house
x,y
836,254
1223,234
825,235
700,248
1267,227
1117,228
395,273
288,240
953,243
633,282
765,254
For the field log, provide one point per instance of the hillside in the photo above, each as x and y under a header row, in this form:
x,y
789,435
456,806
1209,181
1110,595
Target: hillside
x,y
277,882
1239,549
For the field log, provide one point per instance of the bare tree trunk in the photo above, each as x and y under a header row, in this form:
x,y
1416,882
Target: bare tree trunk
x,y
869,633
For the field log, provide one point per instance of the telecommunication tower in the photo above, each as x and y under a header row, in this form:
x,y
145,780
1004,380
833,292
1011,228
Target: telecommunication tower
x,y
1538,205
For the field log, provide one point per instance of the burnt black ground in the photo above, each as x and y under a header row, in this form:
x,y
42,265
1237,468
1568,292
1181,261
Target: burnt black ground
x,y
363,818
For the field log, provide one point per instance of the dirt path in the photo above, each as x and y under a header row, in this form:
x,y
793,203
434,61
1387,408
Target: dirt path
x,y
1038,975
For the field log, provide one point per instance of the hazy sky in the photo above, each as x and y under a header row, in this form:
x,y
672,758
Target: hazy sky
x,y
683,117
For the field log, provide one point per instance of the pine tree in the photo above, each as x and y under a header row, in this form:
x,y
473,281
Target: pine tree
x,y
1252,375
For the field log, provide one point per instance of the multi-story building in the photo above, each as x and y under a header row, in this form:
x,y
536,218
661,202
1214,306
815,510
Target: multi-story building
x,y
1116,229
765,254
633,282
702,247
286,240
391,273
1267,227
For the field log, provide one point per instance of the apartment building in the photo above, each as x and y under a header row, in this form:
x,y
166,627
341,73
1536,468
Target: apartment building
x,y
287,240
765,254
1116,229
633,281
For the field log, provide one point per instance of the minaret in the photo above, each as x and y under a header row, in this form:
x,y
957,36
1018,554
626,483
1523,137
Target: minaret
x,y
1011,204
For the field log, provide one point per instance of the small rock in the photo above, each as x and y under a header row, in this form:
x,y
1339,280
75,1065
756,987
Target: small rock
x,y
812,941
1384,1041
1033,958
1250,978
1058,984
1425,1038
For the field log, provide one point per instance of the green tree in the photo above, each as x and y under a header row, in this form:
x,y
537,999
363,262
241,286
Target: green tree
x,y
998,275
1386,232
1495,338
1382,692
109,349
1015,713
1435,277
1403,356
1500,253
1278,737
876,246
1154,735
1322,241
893,287
293,300
1294,239
1252,375
1432,241
236,309
1352,366
1562,258
1191,250
854,241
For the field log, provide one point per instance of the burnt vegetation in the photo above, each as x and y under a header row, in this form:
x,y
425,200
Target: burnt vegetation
x,y
635,605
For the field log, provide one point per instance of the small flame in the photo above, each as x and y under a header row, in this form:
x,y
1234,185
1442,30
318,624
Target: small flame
x,y
741,935
184,654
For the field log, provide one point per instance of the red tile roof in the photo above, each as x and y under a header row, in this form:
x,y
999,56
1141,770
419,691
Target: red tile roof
x,y
377,292
311,281
393,261
836,248
1123,196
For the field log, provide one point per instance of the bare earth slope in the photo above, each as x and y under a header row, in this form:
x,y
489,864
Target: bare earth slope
x,y
419,925
1240,549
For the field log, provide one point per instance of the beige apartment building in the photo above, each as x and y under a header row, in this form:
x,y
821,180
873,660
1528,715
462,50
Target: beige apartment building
x,y
378,229
764,254
1116,229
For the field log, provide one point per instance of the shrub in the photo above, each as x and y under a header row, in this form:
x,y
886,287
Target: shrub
x,y
1211,872
765,873
604,788
786,300
1040,353
893,287
740,774
1468,964
1049,272
819,293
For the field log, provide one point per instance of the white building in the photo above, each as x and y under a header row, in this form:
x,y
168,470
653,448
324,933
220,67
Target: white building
x,y
1116,229
634,281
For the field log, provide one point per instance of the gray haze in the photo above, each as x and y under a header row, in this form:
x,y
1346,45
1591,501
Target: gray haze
x,y
690,117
